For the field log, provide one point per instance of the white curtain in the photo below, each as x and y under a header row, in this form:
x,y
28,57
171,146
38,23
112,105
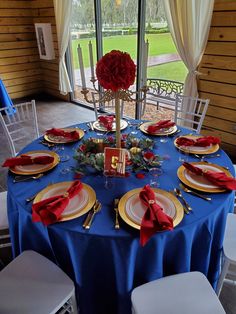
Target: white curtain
x,y
63,10
189,23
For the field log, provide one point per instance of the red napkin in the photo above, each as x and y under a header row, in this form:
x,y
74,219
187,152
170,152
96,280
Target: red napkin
x,y
164,124
154,218
49,210
27,160
200,142
218,178
106,121
71,135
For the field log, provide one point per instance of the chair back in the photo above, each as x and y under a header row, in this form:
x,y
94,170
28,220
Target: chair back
x,y
190,112
21,127
105,107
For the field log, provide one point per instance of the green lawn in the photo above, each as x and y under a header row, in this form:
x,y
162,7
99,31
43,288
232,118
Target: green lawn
x,y
158,44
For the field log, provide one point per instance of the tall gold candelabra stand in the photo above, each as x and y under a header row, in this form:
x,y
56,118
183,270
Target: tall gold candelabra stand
x,y
108,95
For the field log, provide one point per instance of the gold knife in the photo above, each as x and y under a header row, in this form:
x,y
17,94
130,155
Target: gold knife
x,y
89,214
96,209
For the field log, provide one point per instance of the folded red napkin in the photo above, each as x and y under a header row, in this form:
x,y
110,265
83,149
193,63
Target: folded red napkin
x,y
27,160
218,178
163,124
72,135
200,142
154,218
106,121
49,210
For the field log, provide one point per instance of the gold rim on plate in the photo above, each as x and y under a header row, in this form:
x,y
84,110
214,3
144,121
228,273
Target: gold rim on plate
x,y
143,127
65,186
181,175
62,140
122,206
210,150
45,167
98,127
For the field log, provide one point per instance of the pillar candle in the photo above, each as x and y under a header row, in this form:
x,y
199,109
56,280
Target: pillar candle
x,y
145,62
91,60
81,66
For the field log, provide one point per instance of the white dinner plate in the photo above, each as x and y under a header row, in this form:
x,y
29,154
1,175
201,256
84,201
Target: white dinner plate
x,y
78,205
100,127
131,209
199,182
36,168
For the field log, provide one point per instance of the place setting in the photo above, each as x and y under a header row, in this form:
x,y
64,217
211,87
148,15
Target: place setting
x,y
197,144
32,164
159,128
206,177
64,201
63,135
107,123
150,210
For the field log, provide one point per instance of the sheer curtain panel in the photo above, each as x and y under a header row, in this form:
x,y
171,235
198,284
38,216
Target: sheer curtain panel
x,y
189,23
63,9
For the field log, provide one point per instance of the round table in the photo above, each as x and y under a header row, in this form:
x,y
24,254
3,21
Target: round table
x,y
106,263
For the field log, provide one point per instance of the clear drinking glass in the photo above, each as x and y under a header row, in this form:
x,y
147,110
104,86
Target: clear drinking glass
x,y
155,172
60,150
184,154
109,182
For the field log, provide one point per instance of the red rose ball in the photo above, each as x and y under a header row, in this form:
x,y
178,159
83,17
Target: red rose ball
x,y
116,70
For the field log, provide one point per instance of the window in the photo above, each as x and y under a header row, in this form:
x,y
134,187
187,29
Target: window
x,y
123,25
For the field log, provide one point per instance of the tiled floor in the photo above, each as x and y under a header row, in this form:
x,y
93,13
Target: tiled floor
x,y
60,114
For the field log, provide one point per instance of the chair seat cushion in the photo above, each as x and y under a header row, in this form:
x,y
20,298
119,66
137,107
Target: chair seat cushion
x,y
178,294
31,284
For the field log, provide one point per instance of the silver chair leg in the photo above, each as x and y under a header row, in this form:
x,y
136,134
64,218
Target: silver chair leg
x,y
222,276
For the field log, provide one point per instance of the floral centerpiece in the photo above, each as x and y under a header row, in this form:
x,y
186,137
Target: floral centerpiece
x,y
116,72
139,157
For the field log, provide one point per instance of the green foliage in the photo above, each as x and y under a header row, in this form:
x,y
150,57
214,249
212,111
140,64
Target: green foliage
x,y
89,154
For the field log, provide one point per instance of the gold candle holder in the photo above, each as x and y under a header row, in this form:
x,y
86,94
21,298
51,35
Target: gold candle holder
x,y
118,96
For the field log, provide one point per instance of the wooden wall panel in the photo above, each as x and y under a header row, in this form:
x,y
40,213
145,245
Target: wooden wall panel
x,y
21,70
19,58
218,76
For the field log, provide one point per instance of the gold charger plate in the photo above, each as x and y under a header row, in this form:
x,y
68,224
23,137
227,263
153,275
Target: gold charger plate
x,y
62,140
78,205
36,168
97,126
199,182
195,149
143,127
132,210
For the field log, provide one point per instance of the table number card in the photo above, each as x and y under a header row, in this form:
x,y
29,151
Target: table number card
x,y
114,161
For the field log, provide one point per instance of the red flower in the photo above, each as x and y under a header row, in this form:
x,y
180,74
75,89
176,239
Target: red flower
x,y
148,155
83,148
116,70
140,175
78,175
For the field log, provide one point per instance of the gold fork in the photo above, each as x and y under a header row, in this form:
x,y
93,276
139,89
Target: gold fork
x,y
116,202
21,179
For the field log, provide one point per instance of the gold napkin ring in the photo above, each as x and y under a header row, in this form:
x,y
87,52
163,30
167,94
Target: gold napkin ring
x,y
151,202
66,194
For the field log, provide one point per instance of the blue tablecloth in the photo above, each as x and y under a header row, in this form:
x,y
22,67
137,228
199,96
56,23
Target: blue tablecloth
x,y
5,100
106,264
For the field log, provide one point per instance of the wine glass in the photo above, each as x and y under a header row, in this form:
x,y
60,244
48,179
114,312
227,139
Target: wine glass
x,y
109,174
155,172
60,149
184,154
